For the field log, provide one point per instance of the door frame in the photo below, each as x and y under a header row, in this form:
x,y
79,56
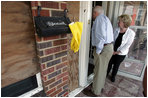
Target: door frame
x,y
85,16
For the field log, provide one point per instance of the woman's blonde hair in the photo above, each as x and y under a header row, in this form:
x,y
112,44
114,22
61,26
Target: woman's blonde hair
x,y
126,19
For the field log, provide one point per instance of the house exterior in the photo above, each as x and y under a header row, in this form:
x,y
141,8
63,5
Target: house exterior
x,y
58,70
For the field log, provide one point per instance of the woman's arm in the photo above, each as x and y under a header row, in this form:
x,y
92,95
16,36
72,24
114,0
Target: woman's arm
x,y
128,43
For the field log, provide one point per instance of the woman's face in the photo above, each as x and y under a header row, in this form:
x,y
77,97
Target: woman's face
x,y
121,24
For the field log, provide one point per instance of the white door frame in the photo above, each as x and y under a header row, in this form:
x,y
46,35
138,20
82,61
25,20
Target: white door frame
x,y
85,17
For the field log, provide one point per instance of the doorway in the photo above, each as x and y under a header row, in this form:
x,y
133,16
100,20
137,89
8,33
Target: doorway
x,y
91,48
135,62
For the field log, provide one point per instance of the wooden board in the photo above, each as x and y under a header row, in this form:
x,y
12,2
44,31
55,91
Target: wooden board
x,y
18,42
73,58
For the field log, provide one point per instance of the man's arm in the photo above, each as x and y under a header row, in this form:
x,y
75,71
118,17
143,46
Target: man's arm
x,y
100,33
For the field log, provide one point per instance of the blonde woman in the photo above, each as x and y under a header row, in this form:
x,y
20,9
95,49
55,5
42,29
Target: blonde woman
x,y
123,38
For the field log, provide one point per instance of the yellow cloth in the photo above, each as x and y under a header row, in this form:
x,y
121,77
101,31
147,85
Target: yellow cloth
x,y
76,29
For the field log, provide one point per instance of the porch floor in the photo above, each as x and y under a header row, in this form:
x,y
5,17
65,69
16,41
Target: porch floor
x,y
122,87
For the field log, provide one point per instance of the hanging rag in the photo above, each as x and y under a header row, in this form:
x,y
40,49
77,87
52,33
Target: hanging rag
x,y
76,29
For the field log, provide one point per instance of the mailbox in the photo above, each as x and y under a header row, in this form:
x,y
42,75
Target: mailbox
x,y
48,26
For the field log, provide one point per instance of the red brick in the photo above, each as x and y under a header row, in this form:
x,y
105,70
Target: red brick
x,y
49,81
62,75
50,4
63,5
65,78
56,92
42,66
38,39
62,84
34,12
42,13
51,37
52,50
55,83
34,3
45,13
47,71
60,42
50,91
63,35
64,59
46,88
44,78
64,47
65,95
61,65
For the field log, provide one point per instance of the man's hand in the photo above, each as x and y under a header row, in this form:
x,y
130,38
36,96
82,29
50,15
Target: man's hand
x,y
116,52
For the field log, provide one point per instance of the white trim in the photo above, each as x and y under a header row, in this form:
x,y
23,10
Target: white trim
x,y
121,7
110,12
104,5
139,27
36,90
85,17
115,13
130,76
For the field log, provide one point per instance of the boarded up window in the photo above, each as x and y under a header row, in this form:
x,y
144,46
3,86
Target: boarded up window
x,y
18,42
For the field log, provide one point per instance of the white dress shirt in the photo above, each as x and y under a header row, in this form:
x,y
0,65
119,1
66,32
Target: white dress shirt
x,y
127,40
102,32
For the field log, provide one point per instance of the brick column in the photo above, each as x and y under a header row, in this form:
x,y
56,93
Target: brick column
x,y
52,52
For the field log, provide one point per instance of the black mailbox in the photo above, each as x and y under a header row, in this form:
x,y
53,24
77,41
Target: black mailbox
x,y
48,26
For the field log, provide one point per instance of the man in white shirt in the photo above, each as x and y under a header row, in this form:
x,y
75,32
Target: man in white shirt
x,y
102,38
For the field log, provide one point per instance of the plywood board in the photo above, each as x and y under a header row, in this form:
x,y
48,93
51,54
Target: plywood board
x,y
18,42
73,58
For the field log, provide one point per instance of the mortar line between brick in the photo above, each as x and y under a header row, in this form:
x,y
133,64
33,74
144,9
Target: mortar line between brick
x,y
49,74
54,60
40,57
52,40
54,71
43,8
60,2
48,85
59,5
61,83
55,91
39,3
50,13
62,77
56,85
51,47
56,64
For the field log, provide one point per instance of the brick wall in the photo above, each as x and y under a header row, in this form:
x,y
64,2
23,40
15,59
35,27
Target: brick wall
x,y
52,52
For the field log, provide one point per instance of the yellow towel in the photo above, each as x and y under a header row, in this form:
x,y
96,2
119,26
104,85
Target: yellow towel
x,y
76,29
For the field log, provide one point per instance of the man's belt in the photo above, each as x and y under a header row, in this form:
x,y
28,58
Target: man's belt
x,y
104,44
108,43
